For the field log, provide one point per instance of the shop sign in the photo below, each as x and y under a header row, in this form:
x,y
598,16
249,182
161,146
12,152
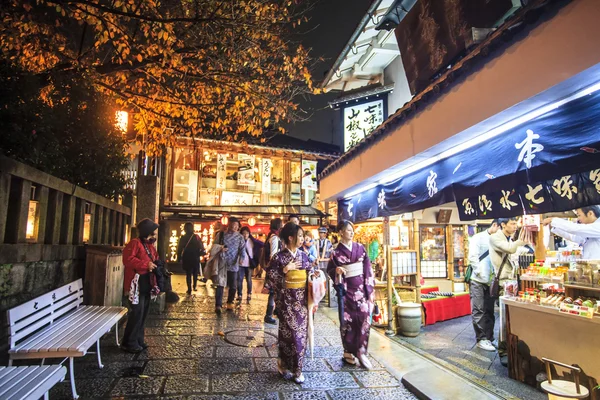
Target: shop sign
x,y
360,120
221,171
239,199
266,170
246,169
309,175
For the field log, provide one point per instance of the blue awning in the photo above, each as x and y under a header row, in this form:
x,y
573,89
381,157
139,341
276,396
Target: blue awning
x,y
559,150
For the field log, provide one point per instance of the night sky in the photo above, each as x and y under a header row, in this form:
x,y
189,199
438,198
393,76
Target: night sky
x,y
331,24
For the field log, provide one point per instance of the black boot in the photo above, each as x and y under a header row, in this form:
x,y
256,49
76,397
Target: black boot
x,y
269,317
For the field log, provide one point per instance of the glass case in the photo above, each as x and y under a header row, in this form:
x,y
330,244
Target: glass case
x,y
433,251
458,247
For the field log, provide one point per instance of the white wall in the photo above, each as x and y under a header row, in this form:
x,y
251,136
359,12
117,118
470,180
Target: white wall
x,y
394,73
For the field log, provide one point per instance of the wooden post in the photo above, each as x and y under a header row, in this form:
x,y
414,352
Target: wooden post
x,y
4,194
92,239
113,228
119,229
449,253
18,209
68,220
390,290
54,219
106,229
43,198
99,225
78,221
418,250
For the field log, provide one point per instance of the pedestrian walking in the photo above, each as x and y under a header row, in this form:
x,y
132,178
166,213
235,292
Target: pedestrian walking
x,y
248,262
350,269
139,284
287,275
272,246
190,249
482,304
310,249
233,249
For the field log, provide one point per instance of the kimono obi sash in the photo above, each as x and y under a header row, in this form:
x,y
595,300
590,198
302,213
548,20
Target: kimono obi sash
x,y
296,279
354,269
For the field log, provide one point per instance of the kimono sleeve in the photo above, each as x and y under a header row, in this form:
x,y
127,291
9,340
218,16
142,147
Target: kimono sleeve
x,y
368,275
331,266
273,275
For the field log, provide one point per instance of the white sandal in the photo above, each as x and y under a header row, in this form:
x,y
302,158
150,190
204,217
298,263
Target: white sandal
x,y
364,361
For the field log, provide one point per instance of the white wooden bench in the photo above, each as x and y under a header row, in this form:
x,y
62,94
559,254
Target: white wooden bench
x,y
58,325
33,382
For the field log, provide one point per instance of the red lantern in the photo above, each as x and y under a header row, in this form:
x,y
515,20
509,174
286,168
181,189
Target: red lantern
x,y
224,220
251,221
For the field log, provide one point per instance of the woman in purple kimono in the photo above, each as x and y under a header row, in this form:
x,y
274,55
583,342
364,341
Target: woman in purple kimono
x,y
287,275
350,270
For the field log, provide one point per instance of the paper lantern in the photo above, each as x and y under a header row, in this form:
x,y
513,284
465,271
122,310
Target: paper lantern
x,y
251,221
224,220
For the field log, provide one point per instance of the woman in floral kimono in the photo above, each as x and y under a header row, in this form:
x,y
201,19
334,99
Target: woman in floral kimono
x,y
350,269
287,275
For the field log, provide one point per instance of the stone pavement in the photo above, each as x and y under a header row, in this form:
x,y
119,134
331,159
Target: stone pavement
x,y
193,354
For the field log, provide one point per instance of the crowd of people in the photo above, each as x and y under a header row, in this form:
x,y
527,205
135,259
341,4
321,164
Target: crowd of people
x,y
289,256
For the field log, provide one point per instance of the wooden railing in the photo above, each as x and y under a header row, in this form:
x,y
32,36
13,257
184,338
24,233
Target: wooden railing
x,y
38,208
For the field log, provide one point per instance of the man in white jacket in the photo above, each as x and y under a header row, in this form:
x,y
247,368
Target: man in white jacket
x,y
482,304
586,233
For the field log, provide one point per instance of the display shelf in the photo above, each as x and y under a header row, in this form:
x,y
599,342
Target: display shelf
x,y
582,287
542,279
547,310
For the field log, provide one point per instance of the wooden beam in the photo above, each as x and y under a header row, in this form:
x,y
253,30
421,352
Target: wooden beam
x,y
54,218
18,208
68,220
43,198
4,195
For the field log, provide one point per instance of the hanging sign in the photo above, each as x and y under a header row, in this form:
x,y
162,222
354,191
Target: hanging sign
x,y
245,169
309,175
221,171
266,171
360,120
237,199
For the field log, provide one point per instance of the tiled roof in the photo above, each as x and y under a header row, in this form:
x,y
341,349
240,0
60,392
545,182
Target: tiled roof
x,y
499,39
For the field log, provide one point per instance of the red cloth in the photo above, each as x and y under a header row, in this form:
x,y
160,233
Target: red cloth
x,y
429,290
135,261
443,309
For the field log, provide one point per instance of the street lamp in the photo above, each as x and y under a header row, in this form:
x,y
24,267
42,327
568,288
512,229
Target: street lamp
x,y
122,119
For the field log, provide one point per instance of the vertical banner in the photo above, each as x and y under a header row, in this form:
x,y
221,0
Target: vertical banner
x,y
221,171
245,169
309,175
266,170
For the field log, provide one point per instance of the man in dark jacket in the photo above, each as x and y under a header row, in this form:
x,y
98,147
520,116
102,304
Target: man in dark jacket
x,y
189,250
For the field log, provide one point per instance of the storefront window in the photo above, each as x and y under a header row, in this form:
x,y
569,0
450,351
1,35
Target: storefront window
x,y
276,195
433,252
185,177
295,189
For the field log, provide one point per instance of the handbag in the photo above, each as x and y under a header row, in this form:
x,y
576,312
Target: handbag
x,y
469,270
495,286
251,262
